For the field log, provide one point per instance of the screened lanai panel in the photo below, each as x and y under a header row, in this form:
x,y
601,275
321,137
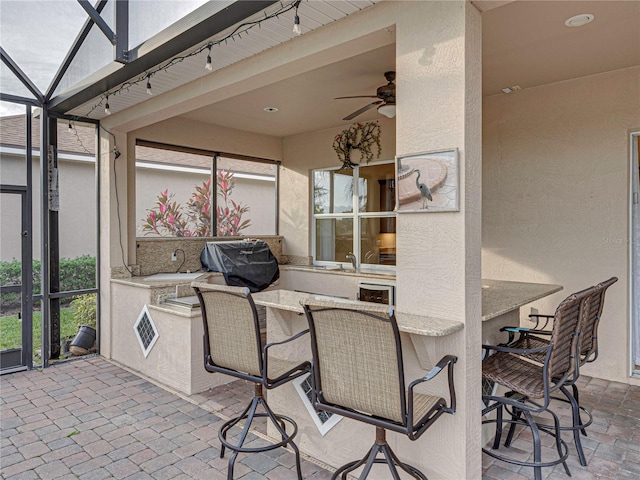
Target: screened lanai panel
x,y
77,223
149,18
13,154
37,34
246,197
9,84
172,193
94,59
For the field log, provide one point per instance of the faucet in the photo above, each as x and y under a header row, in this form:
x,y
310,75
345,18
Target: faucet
x,y
350,256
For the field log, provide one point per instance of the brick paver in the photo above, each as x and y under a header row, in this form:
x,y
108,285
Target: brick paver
x,y
612,447
90,419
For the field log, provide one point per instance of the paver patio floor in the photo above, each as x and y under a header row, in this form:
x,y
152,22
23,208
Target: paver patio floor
x,y
91,419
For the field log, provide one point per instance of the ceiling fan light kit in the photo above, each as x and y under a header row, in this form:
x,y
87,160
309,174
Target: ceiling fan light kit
x,y
387,110
386,99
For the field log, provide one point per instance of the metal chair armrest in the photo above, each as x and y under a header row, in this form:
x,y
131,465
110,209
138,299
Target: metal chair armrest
x,y
538,316
523,332
512,331
272,344
305,366
516,351
446,361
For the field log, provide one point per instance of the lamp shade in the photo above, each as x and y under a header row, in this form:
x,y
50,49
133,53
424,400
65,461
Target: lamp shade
x,y
387,110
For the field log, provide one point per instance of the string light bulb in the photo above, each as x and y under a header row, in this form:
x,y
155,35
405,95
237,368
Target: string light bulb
x,y
208,66
149,91
107,110
285,6
296,21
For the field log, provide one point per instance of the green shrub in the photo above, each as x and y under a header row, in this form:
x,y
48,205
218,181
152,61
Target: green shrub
x,y
75,274
84,309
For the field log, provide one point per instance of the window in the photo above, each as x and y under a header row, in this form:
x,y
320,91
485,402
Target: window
x,y
353,212
175,198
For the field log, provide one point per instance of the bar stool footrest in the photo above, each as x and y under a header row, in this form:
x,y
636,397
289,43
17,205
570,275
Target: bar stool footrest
x,y
389,458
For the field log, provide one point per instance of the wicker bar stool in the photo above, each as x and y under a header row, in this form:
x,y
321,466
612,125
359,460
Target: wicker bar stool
x,y
233,346
539,337
531,375
358,373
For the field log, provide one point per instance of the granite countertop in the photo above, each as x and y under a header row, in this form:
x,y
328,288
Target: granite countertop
x,y
332,270
502,296
416,324
164,279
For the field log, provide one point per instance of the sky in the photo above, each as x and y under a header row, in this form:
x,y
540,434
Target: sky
x,y
37,34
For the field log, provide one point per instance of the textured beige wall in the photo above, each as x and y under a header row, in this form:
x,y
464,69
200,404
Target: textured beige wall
x,y
556,192
438,59
176,359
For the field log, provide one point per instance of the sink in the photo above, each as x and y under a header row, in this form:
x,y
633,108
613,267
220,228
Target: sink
x,y
171,277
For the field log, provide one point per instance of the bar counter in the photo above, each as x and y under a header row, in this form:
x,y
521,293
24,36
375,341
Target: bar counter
x,y
425,339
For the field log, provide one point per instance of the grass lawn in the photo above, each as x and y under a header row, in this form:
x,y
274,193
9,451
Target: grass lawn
x,y
11,329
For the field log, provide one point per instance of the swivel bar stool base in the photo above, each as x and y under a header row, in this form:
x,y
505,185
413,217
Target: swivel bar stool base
x,y
248,415
380,447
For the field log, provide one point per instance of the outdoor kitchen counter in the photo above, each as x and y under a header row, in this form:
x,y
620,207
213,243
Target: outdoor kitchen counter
x,y
424,341
414,324
501,302
501,296
378,275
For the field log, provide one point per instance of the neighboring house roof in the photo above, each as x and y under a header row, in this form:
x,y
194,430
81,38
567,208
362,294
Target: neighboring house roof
x,y
170,157
79,140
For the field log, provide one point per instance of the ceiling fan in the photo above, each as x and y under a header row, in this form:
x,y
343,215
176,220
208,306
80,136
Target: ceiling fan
x,y
386,95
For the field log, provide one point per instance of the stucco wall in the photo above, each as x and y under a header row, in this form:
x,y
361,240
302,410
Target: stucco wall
x,y
555,195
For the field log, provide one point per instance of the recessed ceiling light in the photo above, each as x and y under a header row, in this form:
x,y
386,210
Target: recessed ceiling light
x,y
270,109
579,20
514,88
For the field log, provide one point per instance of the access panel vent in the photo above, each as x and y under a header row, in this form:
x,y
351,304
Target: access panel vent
x,y
146,331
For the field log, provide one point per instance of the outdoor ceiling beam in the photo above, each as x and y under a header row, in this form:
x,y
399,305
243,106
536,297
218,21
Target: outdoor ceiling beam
x,y
121,53
73,52
6,97
17,71
220,21
98,20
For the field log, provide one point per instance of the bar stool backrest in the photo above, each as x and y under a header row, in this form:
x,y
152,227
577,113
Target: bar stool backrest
x,y
589,342
357,358
565,334
231,328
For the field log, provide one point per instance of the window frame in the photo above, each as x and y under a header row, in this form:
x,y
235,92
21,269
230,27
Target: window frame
x,y
356,217
215,155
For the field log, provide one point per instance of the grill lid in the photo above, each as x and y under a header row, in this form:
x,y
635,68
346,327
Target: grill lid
x,y
243,263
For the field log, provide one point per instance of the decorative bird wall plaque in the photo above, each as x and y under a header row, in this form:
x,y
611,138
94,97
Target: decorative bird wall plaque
x,y
428,182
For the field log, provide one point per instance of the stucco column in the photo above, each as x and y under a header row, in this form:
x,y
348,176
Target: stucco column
x,y
110,231
438,65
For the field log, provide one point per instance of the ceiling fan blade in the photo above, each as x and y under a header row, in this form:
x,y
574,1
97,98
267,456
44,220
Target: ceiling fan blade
x,y
357,96
362,110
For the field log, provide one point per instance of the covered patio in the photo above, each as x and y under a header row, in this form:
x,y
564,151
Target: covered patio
x,y
88,418
497,172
